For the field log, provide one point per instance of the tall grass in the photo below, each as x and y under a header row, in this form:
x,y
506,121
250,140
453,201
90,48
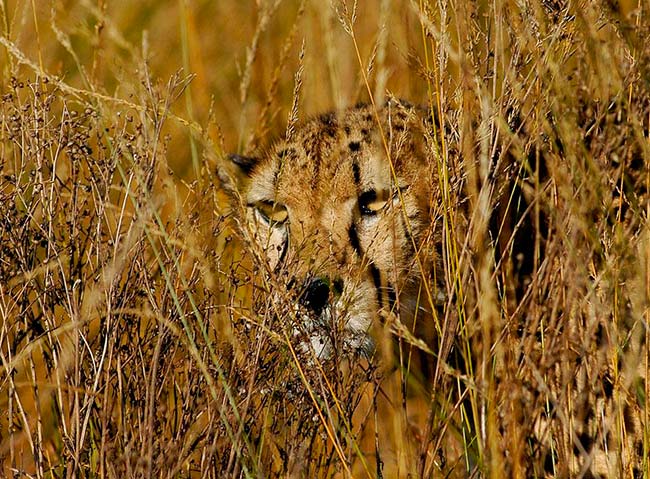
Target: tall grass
x,y
137,332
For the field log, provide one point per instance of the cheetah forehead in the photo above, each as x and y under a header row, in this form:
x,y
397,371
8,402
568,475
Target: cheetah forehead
x,y
340,155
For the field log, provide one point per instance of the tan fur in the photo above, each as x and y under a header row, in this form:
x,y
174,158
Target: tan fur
x,y
328,175
320,185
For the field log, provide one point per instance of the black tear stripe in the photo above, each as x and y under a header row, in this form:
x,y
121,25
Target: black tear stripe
x,y
354,240
376,278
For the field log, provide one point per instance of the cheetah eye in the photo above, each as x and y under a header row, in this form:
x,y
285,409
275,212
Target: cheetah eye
x,y
273,213
371,202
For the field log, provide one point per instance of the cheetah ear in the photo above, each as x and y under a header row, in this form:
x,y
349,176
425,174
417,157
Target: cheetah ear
x,y
246,164
233,171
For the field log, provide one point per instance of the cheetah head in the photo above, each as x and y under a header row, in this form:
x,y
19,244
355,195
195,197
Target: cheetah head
x,y
341,211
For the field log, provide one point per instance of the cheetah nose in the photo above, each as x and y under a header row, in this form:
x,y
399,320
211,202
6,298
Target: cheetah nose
x,y
316,295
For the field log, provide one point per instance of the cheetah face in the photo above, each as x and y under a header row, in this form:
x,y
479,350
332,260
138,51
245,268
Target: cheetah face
x,y
338,211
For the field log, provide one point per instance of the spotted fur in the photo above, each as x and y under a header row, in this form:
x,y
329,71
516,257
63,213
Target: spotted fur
x,y
347,213
343,208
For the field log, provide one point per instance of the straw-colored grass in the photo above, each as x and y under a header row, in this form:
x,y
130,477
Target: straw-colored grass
x,y
138,337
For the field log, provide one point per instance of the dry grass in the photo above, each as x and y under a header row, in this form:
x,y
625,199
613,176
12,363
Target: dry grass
x,y
132,342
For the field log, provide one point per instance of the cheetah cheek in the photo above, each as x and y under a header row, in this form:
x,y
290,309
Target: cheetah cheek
x,y
273,240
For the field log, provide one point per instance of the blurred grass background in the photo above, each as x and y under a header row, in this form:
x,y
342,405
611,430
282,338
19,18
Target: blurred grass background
x,y
242,55
127,345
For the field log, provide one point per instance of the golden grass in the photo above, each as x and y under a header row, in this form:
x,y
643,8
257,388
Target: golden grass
x,y
132,340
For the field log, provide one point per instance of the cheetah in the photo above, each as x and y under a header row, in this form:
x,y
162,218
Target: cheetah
x,y
348,211
345,206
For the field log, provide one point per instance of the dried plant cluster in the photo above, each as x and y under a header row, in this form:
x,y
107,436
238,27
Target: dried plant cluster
x,y
141,335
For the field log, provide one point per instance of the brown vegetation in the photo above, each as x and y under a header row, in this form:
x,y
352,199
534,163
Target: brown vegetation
x,y
129,344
